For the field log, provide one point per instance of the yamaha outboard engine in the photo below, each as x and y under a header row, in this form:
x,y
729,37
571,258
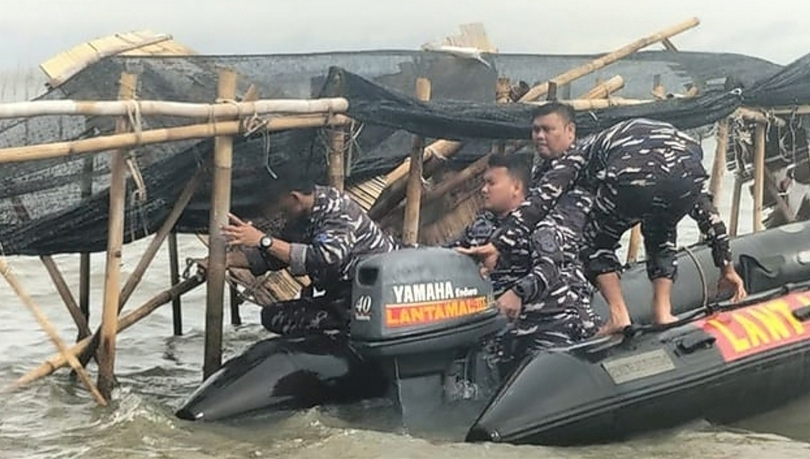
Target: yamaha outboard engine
x,y
416,311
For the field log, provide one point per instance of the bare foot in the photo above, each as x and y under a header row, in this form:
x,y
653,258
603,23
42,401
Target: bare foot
x,y
665,319
612,327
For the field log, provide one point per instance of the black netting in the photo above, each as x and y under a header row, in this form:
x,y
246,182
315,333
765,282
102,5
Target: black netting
x,y
790,86
379,87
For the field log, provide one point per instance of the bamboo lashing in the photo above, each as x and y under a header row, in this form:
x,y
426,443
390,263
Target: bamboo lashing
x,y
445,148
128,140
231,109
59,360
115,242
217,246
65,353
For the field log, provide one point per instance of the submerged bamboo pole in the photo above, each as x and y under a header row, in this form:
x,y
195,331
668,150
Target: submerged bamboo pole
x,y
174,279
59,361
413,195
115,242
65,353
578,72
84,258
218,216
231,109
759,174
128,140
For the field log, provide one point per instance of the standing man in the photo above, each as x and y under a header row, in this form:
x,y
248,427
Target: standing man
x,y
639,170
326,235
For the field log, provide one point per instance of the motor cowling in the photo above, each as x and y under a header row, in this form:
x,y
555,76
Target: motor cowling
x,y
420,301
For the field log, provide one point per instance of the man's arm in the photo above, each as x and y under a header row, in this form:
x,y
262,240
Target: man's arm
x,y
546,258
712,226
329,248
541,198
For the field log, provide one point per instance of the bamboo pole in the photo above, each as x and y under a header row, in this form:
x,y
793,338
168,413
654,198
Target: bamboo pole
x,y
605,89
231,109
413,199
759,174
445,148
174,279
84,258
718,165
59,361
115,242
220,205
337,168
571,75
734,220
634,244
151,250
128,140
50,330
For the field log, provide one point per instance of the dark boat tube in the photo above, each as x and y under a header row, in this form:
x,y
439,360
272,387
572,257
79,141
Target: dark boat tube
x,y
285,374
722,368
765,260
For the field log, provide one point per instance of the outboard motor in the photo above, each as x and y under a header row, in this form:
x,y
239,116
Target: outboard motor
x,y
416,311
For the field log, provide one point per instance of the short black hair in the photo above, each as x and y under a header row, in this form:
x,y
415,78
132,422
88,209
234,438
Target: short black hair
x,y
564,110
517,166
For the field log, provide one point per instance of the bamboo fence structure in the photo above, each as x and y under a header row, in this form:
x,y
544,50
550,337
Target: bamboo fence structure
x,y
225,118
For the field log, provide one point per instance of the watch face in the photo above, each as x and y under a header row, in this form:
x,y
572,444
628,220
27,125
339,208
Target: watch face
x,y
265,242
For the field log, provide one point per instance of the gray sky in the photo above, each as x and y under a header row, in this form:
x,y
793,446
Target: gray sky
x,y
777,30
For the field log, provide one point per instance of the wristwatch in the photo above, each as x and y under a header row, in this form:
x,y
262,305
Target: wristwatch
x,y
266,242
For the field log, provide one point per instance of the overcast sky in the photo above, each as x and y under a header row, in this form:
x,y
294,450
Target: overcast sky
x,y
777,30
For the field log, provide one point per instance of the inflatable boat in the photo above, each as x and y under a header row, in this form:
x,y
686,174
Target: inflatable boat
x,y
419,316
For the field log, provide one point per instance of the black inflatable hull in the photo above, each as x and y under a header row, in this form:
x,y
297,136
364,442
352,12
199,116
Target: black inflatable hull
x,y
567,397
285,374
723,368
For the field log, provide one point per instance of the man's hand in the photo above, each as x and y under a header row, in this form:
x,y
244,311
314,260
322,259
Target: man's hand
x,y
509,303
486,254
241,233
731,281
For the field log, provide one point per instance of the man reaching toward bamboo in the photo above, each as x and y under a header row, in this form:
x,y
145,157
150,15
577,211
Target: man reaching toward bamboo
x,y
326,235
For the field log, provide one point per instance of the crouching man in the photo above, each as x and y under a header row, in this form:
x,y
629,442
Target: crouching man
x,y
326,235
551,305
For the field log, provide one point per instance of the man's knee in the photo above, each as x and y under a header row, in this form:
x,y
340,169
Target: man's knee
x,y
598,262
662,266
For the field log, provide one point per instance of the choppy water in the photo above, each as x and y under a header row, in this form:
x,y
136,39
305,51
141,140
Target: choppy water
x,y
56,418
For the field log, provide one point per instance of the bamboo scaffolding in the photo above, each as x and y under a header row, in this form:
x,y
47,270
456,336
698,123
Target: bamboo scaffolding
x,y
115,242
605,89
573,74
718,165
394,192
128,140
413,199
734,219
337,167
59,361
229,109
220,206
174,278
84,258
151,250
65,353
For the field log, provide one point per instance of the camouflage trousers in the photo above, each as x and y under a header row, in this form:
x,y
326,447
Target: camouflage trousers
x,y
628,197
533,333
306,315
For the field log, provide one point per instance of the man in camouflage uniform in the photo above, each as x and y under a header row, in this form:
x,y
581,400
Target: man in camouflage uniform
x,y
326,236
639,171
506,181
551,304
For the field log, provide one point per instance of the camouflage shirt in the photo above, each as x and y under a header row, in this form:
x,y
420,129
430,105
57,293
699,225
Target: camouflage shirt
x,y
510,268
623,149
328,243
